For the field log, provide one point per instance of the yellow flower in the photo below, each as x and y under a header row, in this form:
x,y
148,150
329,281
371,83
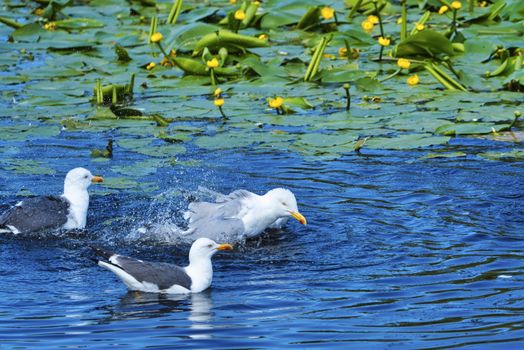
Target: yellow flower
x,y
151,66
443,10
240,15
384,41
343,52
39,12
367,26
212,63
219,102
327,12
263,37
276,102
420,27
232,2
399,20
373,19
217,92
456,5
483,4
256,3
166,62
155,38
172,53
50,26
413,80
329,56
404,63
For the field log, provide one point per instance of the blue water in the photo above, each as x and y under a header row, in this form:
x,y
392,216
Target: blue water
x,y
399,253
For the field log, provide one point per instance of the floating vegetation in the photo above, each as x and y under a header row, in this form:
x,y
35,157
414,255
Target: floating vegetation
x,y
114,94
105,153
355,74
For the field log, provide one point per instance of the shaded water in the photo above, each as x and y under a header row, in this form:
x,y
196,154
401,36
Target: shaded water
x,y
398,253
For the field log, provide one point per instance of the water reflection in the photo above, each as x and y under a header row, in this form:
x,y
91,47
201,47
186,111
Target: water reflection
x,y
200,315
138,305
195,308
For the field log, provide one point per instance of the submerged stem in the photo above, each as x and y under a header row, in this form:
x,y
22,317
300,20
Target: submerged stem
x,y
222,112
348,99
377,12
391,75
165,54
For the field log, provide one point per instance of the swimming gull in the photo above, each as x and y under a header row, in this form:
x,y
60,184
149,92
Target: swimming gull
x,y
155,277
68,211
241,214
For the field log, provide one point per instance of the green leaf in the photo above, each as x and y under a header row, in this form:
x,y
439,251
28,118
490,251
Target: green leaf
x,y
367,84
299,102
407,141
28,33
515,155
427,43
122,54
327,140
444,155
344,74
25,166
310,18
469,128
78,23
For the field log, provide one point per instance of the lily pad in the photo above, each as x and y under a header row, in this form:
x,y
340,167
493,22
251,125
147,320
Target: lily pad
x,y
139,169
407,141
444,155
25,166
515,155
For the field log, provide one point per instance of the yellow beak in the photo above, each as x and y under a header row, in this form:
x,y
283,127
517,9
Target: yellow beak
x,y
299,217
97,179
225,246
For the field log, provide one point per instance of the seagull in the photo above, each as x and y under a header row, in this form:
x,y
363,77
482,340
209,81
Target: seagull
x,y
68,211
154,277
241,214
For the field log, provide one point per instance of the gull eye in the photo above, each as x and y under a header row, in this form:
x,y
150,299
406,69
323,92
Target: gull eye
x,y
85,177
209,245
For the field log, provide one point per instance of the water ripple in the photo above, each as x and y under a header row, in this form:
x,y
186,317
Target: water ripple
x,y
398,254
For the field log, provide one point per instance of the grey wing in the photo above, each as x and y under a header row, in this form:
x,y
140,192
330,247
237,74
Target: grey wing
x,y
215,220
205,210
238,194
164,275
221,198
200,211
217,229
37,213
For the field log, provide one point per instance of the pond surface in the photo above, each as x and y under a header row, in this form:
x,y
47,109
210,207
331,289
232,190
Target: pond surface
x,y
413,243
398,253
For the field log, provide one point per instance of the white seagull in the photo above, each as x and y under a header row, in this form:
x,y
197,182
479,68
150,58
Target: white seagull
x,y
68,211
241,214
154,277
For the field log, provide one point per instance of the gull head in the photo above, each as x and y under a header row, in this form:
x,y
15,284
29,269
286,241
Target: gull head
x,y
285,204
206,248
80,179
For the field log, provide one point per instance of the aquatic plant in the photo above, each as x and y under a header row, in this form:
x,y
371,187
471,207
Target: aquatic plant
x,y
419,74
